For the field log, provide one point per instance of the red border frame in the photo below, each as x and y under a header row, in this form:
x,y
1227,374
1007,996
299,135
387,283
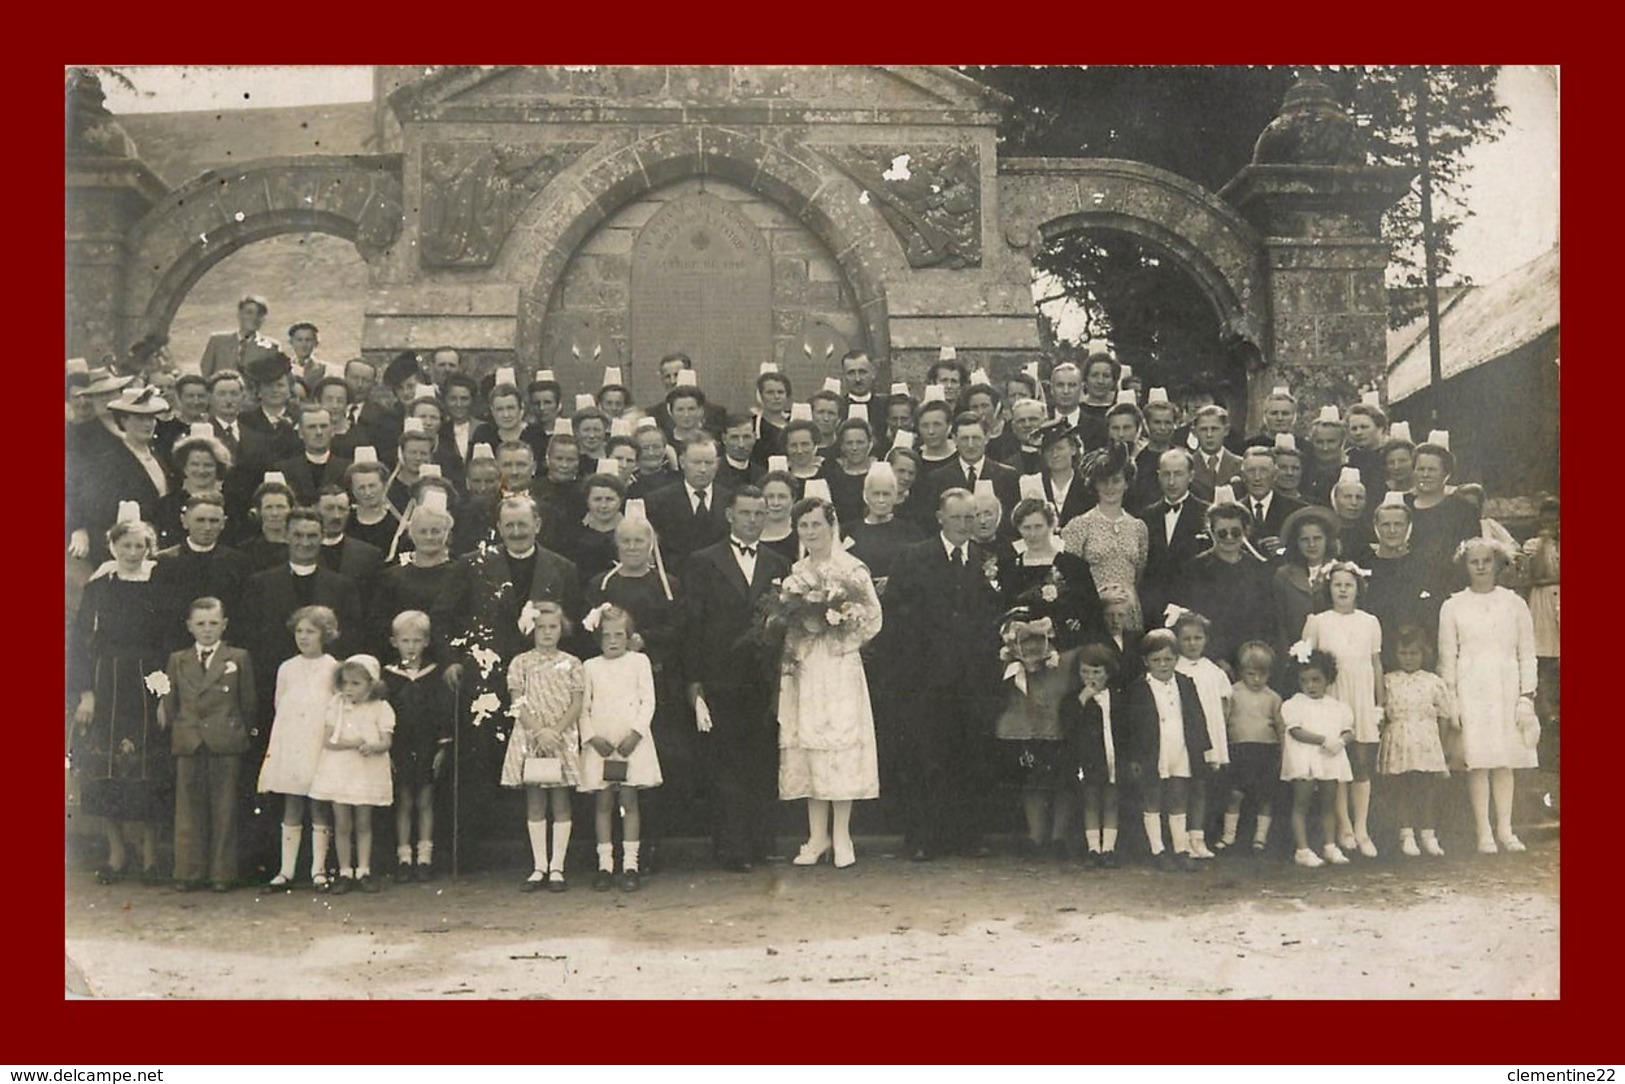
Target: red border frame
x,y
49,1031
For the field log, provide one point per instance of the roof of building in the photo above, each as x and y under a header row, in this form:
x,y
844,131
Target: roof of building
x,y
1478,324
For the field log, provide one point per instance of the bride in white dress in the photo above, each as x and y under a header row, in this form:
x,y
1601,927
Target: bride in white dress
x,y
826,728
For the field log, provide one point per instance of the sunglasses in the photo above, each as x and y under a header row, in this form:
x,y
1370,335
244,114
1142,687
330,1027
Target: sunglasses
x,y
1230,532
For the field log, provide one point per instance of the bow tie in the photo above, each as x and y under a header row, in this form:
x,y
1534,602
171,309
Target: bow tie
x,y
1175,507
744,550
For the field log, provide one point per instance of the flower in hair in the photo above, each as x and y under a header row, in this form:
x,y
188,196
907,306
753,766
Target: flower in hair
x,y
1303,650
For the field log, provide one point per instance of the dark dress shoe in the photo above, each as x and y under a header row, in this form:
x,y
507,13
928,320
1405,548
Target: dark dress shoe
x,y
107,875
1166,863
555,882
403,872
343,885
603,881
368,883
1108,860
630,881
1185,863
424,872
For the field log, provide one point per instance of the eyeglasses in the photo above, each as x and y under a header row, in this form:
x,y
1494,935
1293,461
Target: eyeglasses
x,y
1230,532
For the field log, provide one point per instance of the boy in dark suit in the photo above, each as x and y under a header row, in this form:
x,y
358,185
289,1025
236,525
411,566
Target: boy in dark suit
x,y
209,708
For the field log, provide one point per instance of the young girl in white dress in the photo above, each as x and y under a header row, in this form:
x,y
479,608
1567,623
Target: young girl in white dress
x,y
353,771
1354,638
1213,689
1411,754
1318,728
304,685
617,748
546,685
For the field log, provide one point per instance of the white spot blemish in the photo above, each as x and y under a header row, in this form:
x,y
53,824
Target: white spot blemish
x,y
863,197
899,170
1098,198
203,237
239,216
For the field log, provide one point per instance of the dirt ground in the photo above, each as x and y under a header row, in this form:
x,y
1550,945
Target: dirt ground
x,y
1002,927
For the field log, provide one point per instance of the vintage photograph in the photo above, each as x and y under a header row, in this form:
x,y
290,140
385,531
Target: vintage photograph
x,y
812,532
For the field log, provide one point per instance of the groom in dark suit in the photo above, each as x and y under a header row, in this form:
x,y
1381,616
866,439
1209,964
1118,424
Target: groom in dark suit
x,y
944,612
734,676
1176,527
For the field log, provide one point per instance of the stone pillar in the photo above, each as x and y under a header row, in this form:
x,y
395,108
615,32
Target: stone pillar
x,y
1319,207
108,190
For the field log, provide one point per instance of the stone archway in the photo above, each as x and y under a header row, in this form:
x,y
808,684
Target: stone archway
x,y
355,197
1042,198
793,176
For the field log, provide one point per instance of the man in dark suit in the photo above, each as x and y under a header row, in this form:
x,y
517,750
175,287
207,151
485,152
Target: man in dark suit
x,y
739,465
314,466
198,566
733,679
1215,465
1268,508
971,466
1177,530
236,349
943,612
210,708
269,600
371,422
692,515
360,561
476,623
858,390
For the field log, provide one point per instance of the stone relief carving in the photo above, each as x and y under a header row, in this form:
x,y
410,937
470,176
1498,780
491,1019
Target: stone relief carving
x,y
931,197
474,192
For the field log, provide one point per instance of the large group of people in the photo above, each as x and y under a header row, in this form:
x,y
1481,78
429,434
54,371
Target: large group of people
x,y
319,590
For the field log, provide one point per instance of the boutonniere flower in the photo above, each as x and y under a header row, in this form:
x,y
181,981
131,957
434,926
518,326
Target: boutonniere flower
x,y
1049,593
1425,594
126,747
158,683
231,667
405,558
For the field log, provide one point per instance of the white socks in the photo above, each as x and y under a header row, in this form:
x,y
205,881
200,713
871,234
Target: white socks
x,y
1092,837
1153,831
606,857
292,836
403,854
1108,839
1261,833
425,852
1232,824
537,830
1177,834
321,837
629,854
561,843
1361,793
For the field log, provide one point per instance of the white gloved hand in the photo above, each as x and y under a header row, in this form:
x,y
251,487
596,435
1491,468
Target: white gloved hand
x,y
702,715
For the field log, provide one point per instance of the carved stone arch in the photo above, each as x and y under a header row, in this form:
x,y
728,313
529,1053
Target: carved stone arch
x,y
598,185
196,226
1041,199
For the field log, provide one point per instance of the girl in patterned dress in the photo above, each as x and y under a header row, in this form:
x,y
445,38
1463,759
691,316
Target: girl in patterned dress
x,y
546,689
1418,708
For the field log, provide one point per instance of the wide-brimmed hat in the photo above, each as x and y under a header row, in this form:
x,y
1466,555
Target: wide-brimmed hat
x,y
104,381
1314,513
1054,432
268,367
140,401
255,299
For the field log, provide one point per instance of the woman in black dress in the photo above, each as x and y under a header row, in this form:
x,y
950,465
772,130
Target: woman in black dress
x,y
1047,579
414,581
1440,520
128,470
881,534
120,754
1398,592
592,545
269,508
1229,583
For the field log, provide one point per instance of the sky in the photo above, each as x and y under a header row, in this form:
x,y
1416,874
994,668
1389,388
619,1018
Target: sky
x,y
1514,181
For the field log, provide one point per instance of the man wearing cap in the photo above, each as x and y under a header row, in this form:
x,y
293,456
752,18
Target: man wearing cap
x,y
943,610
1176,528
476,622
236,349
1268,508
315,465
858,390
692,515
1216,465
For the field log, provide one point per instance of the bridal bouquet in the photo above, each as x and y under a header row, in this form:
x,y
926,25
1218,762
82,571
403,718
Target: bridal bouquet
x,y
811,604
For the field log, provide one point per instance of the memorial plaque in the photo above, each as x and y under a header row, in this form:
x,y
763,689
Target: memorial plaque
x,y
702,283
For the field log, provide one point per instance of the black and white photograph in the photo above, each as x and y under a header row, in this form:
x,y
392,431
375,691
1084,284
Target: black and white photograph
x,y
812,532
